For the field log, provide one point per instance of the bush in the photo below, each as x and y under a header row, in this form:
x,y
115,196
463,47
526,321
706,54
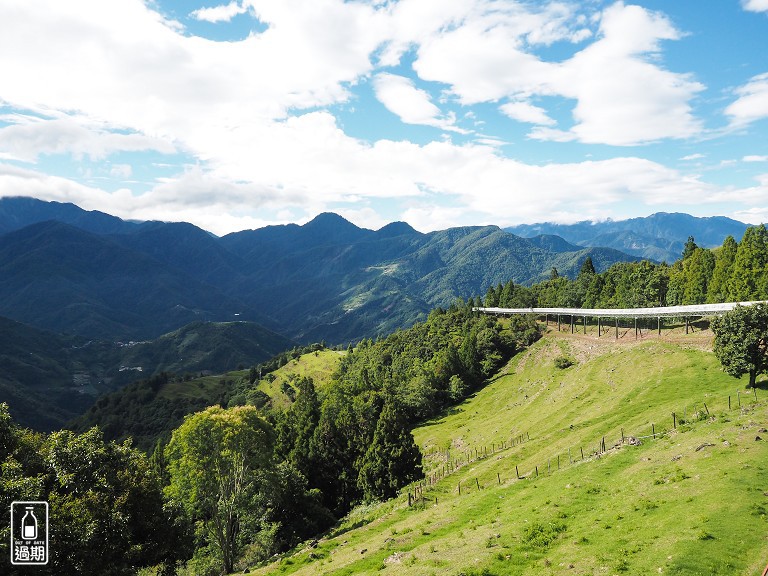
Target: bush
x,y
563,362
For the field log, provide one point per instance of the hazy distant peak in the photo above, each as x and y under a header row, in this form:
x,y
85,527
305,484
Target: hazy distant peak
x,y
396,229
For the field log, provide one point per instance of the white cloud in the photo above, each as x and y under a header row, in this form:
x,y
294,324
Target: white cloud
x,y
752,103
253,112
623,96
527,112
755,5
754,158
690,157
30,136
222,13
412,105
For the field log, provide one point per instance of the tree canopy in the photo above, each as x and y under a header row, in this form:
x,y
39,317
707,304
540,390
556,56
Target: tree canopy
x,y
741,341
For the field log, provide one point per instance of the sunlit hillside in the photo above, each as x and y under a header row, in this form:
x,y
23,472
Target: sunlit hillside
x,y
551,470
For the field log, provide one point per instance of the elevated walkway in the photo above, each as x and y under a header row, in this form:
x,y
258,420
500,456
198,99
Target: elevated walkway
x,y
684,312
656,312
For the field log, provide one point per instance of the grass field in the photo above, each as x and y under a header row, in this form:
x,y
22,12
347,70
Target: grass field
x,y
318,365
692,500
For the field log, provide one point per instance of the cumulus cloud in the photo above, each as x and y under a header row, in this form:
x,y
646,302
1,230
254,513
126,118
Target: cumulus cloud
x,y
222,13
526,112
412,105
27,137
752,102
622,95
755,5
257,113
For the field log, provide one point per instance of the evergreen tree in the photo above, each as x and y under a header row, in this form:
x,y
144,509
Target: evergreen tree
x,y
392,460
491,297
721,275
689,248
750,267
587,268
698,270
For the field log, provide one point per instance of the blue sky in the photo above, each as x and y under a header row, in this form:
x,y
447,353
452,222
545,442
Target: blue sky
x,y
437,112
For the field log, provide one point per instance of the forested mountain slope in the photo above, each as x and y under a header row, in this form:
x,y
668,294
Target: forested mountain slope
x,y
47,379
68,270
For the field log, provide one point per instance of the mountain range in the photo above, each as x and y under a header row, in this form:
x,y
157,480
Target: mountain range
x,y
90,302
87,273
660,237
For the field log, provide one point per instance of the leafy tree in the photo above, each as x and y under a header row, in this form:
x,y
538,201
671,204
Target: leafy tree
x,y
216,461
741,341
106,504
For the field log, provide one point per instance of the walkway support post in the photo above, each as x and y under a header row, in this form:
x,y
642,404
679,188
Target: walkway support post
x,y
617,328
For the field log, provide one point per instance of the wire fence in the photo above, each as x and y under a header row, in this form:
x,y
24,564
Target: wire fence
x,y
446,462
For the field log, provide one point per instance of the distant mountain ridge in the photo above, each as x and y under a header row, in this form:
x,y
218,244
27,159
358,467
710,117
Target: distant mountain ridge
x,y
48,379
659,237
69,270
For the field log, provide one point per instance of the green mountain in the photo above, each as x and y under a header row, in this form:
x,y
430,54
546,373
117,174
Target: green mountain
x,y
47,379
90,274
331,280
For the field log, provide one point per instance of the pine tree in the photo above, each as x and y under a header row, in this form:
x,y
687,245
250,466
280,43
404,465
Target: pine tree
x,y
392,460
587,268
690,247
750,266
721,276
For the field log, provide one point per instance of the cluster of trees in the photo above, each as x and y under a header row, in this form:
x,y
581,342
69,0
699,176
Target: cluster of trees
x,y
234,485
108,514
734,272
144,411
354,443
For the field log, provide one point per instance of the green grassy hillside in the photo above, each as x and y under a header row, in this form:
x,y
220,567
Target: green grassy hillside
x,y
692,500
319,365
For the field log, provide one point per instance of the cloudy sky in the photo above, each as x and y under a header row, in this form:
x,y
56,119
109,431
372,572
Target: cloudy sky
x,y
436,112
